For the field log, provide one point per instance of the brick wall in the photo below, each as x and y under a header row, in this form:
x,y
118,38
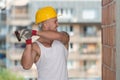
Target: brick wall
x,y
108,40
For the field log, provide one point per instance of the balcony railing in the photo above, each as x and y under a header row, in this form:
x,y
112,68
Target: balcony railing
x,y
16,52
19,16
84,56
85,39
82,72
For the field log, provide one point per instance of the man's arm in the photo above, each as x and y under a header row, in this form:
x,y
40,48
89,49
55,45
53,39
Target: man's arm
x,y
31,51
66,39
29,56
54,35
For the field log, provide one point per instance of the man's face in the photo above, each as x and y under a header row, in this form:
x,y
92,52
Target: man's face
x,y
51,24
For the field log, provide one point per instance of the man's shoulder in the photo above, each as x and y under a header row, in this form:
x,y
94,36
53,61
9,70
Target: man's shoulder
x,y
65,33
35,44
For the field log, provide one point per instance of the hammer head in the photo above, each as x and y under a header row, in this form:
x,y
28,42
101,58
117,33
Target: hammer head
x,y
17,34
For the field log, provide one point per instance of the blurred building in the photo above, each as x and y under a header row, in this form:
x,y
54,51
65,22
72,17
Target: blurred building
x,y
3,30
81,19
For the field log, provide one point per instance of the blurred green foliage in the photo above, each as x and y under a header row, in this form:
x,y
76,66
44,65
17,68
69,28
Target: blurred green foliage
x,y
6,74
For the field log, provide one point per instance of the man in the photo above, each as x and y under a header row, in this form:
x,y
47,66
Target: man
x,y
49,52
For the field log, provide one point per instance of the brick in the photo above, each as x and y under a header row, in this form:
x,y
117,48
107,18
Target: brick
x,y
103,36
106,15
113,59
103,73
105,2
108,37
107,74
114,12
111,75
103,16
113,36
110,14
107,56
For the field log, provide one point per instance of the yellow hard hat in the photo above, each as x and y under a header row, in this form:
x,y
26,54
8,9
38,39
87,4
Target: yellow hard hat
x,y
44,14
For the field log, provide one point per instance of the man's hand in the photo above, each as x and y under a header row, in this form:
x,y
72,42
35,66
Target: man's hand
x,y
25,34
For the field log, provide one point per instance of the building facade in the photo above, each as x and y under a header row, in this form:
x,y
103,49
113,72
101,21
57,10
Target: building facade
x,y
2,37
81,19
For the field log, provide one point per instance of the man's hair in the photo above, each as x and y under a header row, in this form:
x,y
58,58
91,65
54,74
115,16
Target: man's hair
x,y
40,26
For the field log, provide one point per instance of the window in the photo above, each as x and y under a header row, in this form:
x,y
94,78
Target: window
x,y
89,31
2,56
65,13
21,9
30,79
22,27
2,4
3,30
71,29
19,12
16,62
89,65
88,48
3,16
71,47
85,64
2,44
20,45
66,28
70,64
89,14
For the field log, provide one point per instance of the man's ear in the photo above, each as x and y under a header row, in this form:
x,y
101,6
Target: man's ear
x,y
46,26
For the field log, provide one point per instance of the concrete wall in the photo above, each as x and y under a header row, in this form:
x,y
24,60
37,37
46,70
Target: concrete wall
x,y
117,39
